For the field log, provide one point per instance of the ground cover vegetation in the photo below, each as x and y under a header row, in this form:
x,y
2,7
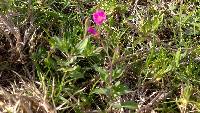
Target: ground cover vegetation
x,y
99,56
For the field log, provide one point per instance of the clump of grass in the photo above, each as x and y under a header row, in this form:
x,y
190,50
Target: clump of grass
x,y
24,99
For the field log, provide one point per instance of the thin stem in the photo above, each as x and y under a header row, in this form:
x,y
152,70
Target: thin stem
x,y
110,73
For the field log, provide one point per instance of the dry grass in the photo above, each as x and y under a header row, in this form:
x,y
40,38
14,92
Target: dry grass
x,y
24,99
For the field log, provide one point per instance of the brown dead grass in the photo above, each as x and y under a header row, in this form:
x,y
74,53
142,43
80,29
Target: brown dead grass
x,y
24,99
16,95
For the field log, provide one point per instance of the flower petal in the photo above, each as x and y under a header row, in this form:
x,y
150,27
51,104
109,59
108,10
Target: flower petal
x,y
99,17
92,30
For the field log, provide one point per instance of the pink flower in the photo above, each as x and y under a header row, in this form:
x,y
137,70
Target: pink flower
x,y
92,30
99,17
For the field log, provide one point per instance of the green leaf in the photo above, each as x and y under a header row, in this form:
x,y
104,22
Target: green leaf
x,y
52,41
145,26
178,57
98,50
103,73
76,75
66,63
169,68
104,91
120,89
60,43
117,73
159,75
68,69
50,63
129,105
89,50
82,45
63,99
156,21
